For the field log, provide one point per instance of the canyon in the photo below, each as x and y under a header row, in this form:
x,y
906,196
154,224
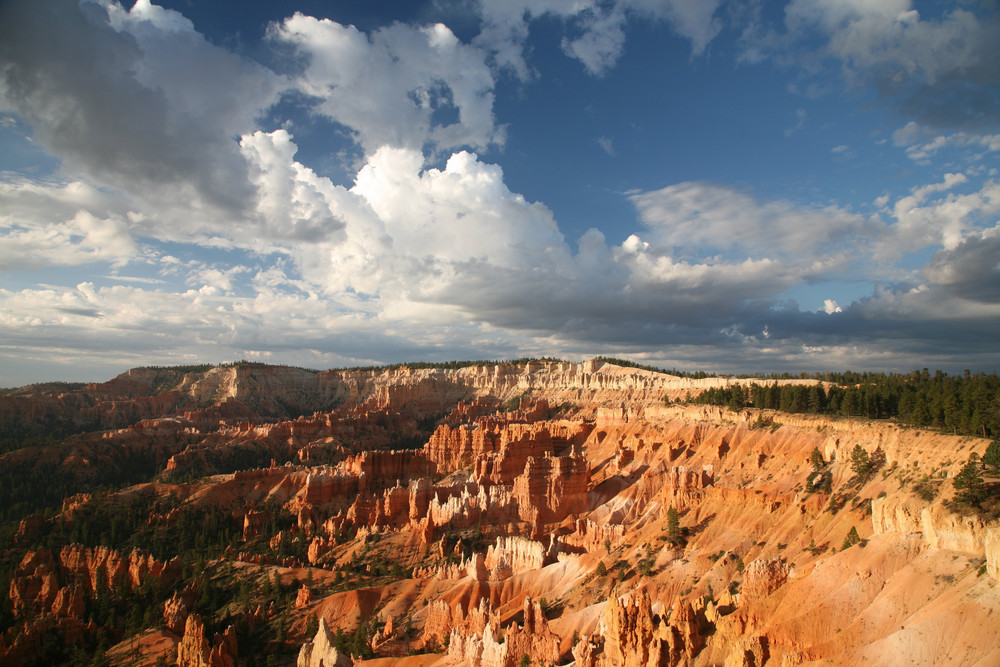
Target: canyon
x,y
492,515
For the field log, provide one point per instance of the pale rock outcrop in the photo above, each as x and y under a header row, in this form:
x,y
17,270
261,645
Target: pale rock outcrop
x,y
592,536
320,651
635,636
749,652
993,552
762,577
940,528
519,554
35,581
303,598
477,643
69,602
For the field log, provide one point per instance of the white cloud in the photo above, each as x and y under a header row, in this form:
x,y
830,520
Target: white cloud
x,y
387,86
413,261
293,202
597,29
601,43
925,219
51,224
607,145
707,216
81,239
921,143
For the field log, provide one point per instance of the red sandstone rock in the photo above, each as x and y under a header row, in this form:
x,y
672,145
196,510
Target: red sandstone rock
x,y
175,613
69,602
196,651
303,598
552,488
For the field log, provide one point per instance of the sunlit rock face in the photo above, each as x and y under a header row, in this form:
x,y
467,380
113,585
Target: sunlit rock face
x,y
492,515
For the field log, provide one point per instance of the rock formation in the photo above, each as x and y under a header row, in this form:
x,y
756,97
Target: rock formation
x,y
320,651
196,651
541,512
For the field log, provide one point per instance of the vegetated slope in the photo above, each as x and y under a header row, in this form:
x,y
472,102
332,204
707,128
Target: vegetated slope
x,y
496,515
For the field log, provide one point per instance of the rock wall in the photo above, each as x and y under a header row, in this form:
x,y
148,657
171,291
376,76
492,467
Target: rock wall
x,y
552,488
35,581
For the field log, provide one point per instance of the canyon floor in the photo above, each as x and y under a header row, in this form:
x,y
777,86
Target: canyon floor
x,y
541,513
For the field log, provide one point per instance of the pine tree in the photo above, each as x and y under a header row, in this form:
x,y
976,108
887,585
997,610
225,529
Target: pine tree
x,y
969,487
992,455
673,524
851,539
816,459
860,463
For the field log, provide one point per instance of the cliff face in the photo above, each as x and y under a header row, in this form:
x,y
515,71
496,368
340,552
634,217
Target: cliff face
x,y
544,511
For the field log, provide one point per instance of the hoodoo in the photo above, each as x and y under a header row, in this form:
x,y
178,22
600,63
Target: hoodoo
x,y
492,516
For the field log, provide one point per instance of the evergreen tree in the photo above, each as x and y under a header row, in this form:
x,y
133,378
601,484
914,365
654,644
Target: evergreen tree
x,y
860,463
992,455
969,487
816,459
851,539
673,524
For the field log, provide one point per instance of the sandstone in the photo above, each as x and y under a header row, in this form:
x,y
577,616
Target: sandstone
x,y
69,602
320,651
763,577
552,488
303,598
195,650
517,554
175,613
528,507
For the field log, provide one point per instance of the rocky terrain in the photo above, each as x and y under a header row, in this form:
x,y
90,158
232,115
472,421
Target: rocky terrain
x,y
540,513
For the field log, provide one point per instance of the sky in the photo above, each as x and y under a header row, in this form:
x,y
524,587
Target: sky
x,y
724,185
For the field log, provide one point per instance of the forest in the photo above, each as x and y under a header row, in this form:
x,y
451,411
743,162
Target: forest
x,y
967,404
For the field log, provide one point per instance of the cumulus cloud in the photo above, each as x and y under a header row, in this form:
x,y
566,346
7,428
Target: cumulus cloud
x,y
389,87
52,224
161,141
136,100
971,269
293,202
933,215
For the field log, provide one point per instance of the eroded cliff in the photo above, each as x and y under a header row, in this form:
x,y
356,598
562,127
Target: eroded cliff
x,y
546,512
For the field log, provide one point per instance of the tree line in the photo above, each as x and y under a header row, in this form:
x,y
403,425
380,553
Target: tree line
x,y
967,404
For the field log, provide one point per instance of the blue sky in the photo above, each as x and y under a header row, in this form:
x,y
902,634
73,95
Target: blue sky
x,y
713,184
